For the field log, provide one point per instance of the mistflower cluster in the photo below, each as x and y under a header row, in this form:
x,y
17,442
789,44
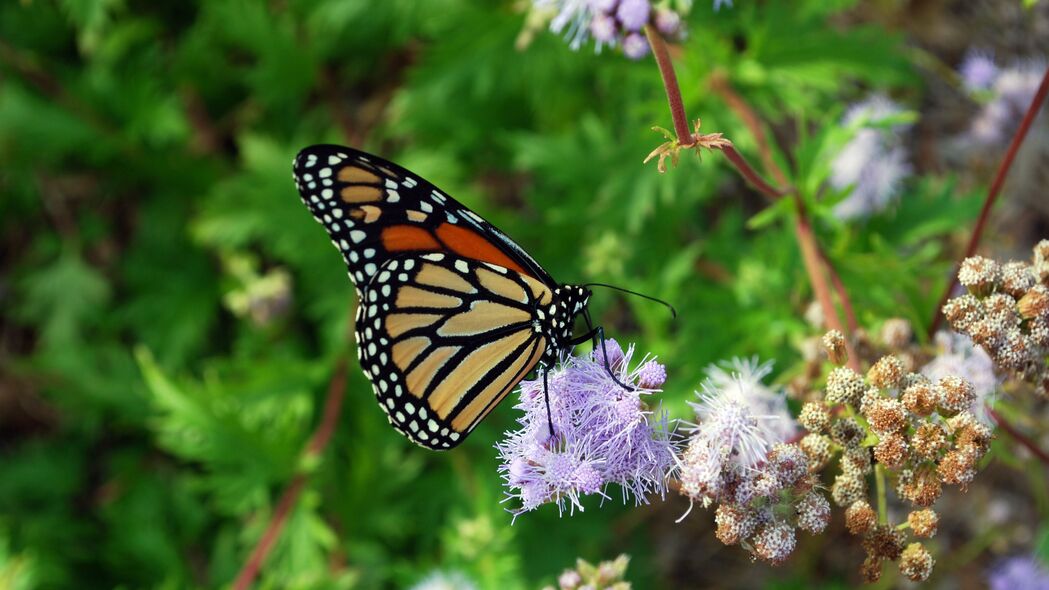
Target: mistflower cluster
x,y
920,432
874,163
739,421
603,433
1005,92
737,457
613,23
1020,571
607,575
1006,312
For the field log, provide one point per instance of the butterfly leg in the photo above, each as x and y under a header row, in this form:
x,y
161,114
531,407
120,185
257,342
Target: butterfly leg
x,y
546,397
598,336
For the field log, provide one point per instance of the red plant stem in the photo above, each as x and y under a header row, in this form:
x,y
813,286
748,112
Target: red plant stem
x,y
666,69
1019,437
290,496
751,175
843,296
992,195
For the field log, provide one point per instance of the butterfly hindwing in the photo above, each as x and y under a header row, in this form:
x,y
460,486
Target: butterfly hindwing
x,y
444,338
375,210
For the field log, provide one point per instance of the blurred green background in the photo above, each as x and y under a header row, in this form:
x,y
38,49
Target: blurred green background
x,y
171,314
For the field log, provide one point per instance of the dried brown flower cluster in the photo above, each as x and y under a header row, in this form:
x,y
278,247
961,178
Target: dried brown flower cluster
x,y
917,432
762,512
1006,311
607,575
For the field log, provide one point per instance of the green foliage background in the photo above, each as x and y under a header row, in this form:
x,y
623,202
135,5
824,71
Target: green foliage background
x,y
149,426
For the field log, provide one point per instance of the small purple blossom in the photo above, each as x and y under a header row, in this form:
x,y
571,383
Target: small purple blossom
x,y
874,163
602,434
633,14
616,23
635,46
1018,572
743,381
1011,93
978,70
959,356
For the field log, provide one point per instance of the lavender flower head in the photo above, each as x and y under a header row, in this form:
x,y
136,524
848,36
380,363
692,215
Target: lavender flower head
x,y
978,70
960,357
615,23
1017,572
602,434
737,427
874,163
1011,91
439,580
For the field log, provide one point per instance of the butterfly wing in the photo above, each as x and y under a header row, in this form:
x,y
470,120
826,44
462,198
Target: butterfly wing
x,y
375,210
444,338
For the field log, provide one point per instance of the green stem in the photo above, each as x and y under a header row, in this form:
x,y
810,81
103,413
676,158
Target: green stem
x,y
879,482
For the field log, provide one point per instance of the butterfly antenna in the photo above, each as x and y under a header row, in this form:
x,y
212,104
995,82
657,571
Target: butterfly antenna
x,y
673,312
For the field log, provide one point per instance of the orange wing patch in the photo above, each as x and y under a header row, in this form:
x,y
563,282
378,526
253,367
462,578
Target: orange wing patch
x,y
469,244
399,238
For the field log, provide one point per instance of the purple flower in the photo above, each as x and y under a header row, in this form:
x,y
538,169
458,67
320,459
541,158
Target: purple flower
x,y
1011,93
603,28
978,70
633,14
740,420
960,357
1021,572
668,22
602,434
874,163
635,46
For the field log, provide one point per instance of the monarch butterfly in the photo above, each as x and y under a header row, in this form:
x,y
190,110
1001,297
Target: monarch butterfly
x,y
452,313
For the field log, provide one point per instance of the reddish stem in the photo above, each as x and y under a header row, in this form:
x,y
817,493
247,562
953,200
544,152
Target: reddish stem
x,y
290,496
992,195
747,171
1019,437
666,69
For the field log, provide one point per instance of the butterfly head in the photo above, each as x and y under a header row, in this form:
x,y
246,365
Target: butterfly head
x,y
557,320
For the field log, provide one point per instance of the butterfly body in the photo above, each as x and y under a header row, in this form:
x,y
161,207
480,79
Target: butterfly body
x,y
452,313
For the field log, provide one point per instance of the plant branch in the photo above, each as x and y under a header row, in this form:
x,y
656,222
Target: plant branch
x,y
992,195
290,496
1019,437
879,488
666,69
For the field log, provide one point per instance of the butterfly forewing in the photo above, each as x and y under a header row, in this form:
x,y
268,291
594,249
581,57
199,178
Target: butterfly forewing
x,y
374,210
443,339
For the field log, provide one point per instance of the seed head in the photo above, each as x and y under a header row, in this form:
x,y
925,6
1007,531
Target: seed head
x,y
1016,279
1002,308
834,345
970,434
887,373
844,386
813,512
860,517
921,488
734,523
962,312
916,563
892,450
1041,260
956,395
958,467
896,333
921,397
788,463
856,461
848,489
817,447
814,416
774,542
1035,303
847,432
923,523
871,569
886,415
979,275
929,440
884,542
